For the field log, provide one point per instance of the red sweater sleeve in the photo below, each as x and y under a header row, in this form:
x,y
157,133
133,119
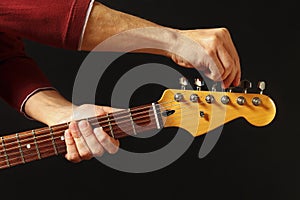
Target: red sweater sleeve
x,y
56,23
19,74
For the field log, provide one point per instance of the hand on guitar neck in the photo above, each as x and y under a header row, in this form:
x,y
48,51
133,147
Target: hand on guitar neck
x,y
196,111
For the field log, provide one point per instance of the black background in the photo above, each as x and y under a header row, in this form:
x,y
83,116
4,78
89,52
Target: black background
x,y
247,162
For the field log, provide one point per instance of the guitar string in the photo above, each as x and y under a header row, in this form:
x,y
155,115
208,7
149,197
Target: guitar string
x,y
13,153
38,137
60,132
33,154
42,147
93,123
3,164
111,121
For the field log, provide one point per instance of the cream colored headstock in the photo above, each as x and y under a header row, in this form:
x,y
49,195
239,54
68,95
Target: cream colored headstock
x,y
195,114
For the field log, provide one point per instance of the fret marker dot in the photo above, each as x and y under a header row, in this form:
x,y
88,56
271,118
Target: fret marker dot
x,y
62,138
28,146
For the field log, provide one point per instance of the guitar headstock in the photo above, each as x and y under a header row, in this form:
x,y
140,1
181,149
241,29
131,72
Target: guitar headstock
x,y
199,112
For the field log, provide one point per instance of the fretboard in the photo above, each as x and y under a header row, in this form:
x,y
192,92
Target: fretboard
x,y
36,144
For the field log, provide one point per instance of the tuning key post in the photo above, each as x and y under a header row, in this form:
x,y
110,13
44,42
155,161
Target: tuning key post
x,y
214,87
183,82
199,83
245,85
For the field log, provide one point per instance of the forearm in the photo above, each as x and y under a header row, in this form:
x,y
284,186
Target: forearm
x,y
105,22
49,107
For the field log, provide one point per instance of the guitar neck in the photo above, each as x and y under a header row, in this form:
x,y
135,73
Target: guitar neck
x,y
36,144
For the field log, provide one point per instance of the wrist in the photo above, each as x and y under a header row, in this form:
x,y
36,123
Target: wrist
x,y
49,107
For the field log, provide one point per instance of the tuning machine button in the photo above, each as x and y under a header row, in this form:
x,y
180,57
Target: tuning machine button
x,y
199,83
225,99
245,85
261,86
183,82
209,98
241,100
194,98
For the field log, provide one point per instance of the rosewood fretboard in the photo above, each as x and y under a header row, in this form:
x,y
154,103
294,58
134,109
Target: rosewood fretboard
x,y
24,147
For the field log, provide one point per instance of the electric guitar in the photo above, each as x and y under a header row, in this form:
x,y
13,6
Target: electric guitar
x,y
196,111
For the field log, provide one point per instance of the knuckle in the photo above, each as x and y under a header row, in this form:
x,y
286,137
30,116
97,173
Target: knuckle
x,y
85,154
114,150
223,30
211,52
103,137
229,64
98,152
73,157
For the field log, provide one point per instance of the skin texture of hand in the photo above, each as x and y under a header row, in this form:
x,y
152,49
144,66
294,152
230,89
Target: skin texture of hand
x,y
82,141
223,63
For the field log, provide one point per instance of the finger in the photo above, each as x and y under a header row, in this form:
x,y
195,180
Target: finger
x,y
72,153
110,144
92,142
229,45
227,62
229,80
108,109
234,54
215,67
81,145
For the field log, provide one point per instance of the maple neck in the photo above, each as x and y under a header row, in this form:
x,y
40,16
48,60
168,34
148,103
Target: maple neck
x,y
24,147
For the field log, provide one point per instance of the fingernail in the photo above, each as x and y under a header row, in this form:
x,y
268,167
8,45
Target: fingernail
x,y
98,129
82,124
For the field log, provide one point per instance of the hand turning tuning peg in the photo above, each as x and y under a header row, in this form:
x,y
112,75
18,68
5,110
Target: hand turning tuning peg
x,y
261,86
199,83
183,82
245,84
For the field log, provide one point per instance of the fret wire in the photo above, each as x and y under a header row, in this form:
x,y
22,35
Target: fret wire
x,y
41,147
110,127
155,115
20,147
61,131
52,139
95,118
110,123
36,144
30,156
5,153
60,145
60,126
132,122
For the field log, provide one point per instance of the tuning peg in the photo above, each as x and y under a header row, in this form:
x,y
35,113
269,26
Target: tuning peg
x,y
261,86
230,88
183,82
199,83
245,84
214,87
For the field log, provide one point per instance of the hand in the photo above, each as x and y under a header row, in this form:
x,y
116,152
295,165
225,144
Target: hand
x,y
221,60
82,141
